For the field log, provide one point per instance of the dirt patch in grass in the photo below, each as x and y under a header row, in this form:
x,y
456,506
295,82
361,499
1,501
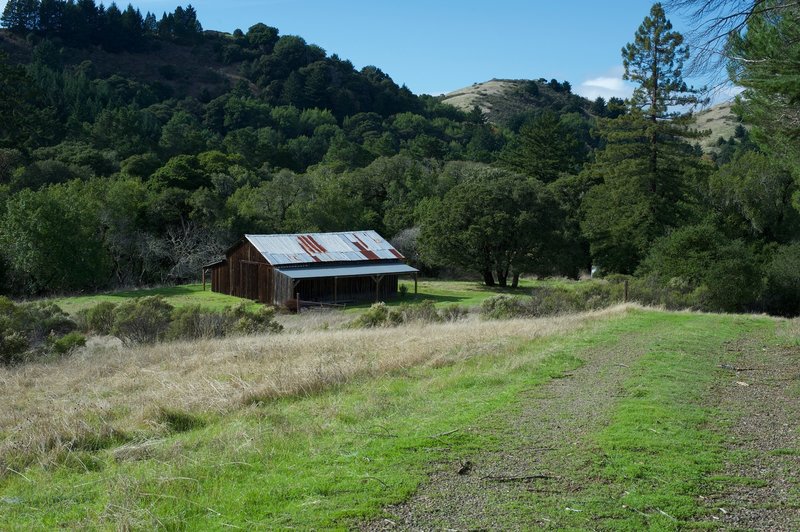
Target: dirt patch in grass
x,y
760,399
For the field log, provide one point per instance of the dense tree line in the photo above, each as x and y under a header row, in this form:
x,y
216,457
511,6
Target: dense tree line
x,y
120,180
85,23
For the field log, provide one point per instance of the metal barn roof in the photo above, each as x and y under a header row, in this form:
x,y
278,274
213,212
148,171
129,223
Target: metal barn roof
x,y
313,272
310,248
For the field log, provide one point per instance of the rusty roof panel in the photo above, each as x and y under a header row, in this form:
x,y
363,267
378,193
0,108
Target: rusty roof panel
x,y
310,248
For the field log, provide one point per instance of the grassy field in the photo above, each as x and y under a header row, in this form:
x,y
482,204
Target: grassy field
x,y
464,293
178,296
443,293
327,429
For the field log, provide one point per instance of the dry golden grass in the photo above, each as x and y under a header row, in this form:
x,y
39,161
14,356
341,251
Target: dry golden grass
x,y
790,331
104,396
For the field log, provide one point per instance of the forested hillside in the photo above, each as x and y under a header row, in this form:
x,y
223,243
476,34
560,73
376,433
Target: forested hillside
x,y
135,148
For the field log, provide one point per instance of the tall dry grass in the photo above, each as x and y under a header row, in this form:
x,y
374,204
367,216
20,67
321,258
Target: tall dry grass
x,y
105,396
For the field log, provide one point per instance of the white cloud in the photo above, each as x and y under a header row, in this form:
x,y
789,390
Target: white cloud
x,y
608,85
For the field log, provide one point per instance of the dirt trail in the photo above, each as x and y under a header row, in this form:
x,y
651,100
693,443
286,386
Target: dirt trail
x,y
760,402
758,397
488,488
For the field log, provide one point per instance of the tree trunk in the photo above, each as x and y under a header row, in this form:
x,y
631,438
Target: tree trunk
x,y
515,280
502,279
488,278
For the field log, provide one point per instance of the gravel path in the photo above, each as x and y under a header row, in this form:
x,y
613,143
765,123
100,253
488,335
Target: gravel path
x,y
484,492
758,397
761,400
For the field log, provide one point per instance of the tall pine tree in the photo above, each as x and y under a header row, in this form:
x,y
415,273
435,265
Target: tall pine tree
x,y
645,167
21,15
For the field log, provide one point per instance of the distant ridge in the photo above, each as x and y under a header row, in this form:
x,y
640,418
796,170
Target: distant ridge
x,y
503,100
720,120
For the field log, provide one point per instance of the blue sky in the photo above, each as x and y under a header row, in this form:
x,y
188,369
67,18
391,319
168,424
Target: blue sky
x,y
437,46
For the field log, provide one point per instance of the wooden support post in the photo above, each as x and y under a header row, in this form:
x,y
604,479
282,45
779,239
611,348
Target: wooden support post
x,y
377,279
626,291
335,290
295,283
204,279
415,283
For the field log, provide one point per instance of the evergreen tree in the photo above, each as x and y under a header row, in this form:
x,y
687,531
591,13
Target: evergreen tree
x,y
764,60
23,117
51,15
644,168
21,15
655,62
544,149
150,25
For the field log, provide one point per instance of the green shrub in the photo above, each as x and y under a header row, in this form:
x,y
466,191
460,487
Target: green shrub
x,y
602,294
503,307
424,312
68,343
552,301
143,320
194,322
453,313
13,347
44,319
699,260
259,321
152,319
31,330
379,315
617,278
13,343
376,316
782,291
674,294
98,319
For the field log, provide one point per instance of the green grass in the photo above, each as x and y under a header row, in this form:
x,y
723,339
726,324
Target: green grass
x,y
664,443
443,293
178,296
332,459
320,461
465,293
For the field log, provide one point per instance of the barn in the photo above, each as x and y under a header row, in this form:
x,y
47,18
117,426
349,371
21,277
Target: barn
x,y
336,268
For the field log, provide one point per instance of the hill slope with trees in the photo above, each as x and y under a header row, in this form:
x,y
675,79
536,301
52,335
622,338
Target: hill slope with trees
x,y
510,102
134,148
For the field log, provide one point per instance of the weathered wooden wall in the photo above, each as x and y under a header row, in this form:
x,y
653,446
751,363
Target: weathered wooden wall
x,y
245,273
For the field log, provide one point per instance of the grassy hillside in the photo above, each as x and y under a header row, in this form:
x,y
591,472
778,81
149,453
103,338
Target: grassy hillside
x,y
720,120
328,429
501,100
